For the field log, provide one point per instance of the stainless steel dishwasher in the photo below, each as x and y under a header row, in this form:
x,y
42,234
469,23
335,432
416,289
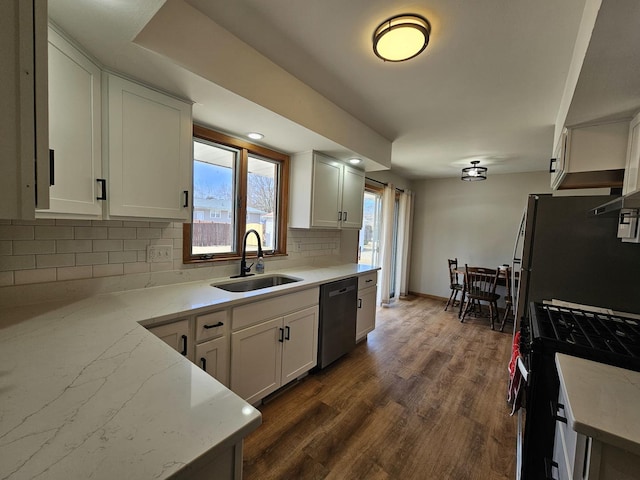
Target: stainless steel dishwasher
x,y
338,310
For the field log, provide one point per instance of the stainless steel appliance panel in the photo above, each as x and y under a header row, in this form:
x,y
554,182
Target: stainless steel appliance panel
x,y
338,311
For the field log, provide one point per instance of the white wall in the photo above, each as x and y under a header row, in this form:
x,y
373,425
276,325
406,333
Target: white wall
x,y
476,222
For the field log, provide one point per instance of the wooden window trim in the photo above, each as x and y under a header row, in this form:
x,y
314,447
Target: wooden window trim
x,y
282,200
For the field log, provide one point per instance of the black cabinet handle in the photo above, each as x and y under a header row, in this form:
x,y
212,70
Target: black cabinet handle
x,y
555,406
344,216
281,335
52,176
552,167
548,466
368,281
103,184
359,303
215,325
186,198
184,345
203,362
339,216
625,218
287,335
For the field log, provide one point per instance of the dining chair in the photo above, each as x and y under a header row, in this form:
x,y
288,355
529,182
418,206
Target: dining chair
x,y
454,284
505,272
480,286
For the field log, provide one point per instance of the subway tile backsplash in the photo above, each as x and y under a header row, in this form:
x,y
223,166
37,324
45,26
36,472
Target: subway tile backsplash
x,y
47,250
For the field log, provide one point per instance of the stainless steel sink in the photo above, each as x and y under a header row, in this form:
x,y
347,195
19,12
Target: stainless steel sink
x,y
256,283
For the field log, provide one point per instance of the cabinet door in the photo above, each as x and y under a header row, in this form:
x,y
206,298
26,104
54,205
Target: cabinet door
x,y
632,170
256,360
150,152
366,317
176,335
352,198
213,358
557,167
327,192
74,130
24,184
300,348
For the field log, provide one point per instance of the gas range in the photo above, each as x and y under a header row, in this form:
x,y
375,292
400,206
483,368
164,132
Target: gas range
x,y
598,336
550,329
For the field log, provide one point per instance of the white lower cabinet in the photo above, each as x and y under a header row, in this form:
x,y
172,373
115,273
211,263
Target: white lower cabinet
x,y
213,357
272,353
300,346
212,344
176,335
580,457
366,316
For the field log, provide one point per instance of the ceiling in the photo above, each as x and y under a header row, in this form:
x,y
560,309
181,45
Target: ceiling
x,y
488,87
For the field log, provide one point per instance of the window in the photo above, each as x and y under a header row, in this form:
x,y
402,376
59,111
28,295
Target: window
x,y
237,186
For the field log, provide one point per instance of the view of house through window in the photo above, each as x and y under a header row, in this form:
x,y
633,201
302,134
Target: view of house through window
x,y
237,187
213,193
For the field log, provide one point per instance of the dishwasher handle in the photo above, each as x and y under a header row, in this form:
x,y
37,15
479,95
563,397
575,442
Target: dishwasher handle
x,y
342,291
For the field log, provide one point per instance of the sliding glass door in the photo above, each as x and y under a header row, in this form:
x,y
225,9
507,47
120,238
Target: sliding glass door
x,y
370,234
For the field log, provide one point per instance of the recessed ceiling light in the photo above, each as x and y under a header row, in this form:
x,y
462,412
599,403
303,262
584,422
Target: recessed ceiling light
x,y
355,161
255,135
401,37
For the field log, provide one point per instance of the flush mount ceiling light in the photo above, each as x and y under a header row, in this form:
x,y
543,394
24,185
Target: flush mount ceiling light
x,y
354,161
255,135
401,37
474,173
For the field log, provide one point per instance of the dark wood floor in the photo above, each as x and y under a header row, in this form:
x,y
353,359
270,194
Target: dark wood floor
x,y
422,398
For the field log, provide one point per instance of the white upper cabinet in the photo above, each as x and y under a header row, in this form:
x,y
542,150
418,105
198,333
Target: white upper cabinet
x,y
352,197
150,152
74,131
632,170
24,154
325,193
590,156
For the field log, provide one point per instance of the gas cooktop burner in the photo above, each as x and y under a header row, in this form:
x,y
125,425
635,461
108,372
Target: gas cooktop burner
x,y
604,336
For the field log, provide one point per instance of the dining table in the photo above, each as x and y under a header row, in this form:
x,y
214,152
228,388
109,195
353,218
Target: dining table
x,y
504,275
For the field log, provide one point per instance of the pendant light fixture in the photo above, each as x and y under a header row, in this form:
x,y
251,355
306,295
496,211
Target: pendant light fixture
x,y
401,37
474,172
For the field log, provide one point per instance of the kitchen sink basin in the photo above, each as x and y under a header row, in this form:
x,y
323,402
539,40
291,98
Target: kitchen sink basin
x,y
256,283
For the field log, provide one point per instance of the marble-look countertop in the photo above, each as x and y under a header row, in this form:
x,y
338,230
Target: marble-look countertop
x,y
603,402
87,392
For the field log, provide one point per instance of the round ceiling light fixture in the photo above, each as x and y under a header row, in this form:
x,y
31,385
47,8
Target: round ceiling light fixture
x,y
354,161
255,135
401,37
474,173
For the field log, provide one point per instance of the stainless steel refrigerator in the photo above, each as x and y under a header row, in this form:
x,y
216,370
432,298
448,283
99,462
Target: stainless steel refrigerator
x,y
569,254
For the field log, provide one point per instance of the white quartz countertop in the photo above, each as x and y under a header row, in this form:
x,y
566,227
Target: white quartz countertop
x,y
87,392
602,401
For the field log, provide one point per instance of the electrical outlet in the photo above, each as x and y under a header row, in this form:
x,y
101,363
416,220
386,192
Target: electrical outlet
x,y
159,253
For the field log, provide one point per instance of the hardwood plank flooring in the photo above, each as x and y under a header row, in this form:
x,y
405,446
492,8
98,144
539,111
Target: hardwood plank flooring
x,y
424,397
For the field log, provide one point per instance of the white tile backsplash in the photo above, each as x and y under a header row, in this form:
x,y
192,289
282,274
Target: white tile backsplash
x,y
48,250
